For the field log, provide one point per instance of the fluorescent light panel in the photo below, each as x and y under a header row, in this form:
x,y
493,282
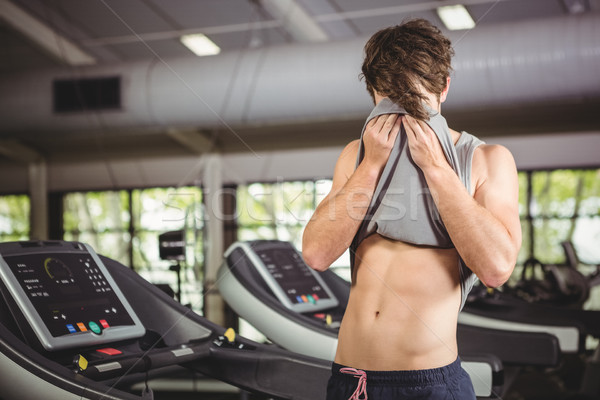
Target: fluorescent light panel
x,y
200,44
456,17
577,6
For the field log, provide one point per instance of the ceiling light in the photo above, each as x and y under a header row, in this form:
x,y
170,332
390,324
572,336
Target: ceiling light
x,y
576,6
200,44
456,17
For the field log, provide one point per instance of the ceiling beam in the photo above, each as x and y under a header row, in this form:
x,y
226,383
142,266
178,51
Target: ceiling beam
x,y
192,140
44,36
295,20
17,151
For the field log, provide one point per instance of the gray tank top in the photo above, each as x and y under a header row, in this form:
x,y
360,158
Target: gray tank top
x,y
402,207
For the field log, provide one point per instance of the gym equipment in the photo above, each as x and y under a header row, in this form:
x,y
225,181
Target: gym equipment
x,y
571,327
76,325
171,247
555,285
592,279
314,330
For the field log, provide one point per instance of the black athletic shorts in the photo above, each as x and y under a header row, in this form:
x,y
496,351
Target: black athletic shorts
x,y
445,383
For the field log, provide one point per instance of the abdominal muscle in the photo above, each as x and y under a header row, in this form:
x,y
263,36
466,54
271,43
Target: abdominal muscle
x,y
403,307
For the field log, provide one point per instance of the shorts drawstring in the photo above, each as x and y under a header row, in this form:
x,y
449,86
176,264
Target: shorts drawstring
x,y
361,388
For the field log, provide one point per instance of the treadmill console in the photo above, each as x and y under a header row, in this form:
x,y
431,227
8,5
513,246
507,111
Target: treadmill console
x,y
66,294
296,286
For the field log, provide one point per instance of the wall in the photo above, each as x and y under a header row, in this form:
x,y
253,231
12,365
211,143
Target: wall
x,y
568,150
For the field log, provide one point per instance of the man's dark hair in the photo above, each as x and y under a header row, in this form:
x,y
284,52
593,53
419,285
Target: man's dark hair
x,y
399,58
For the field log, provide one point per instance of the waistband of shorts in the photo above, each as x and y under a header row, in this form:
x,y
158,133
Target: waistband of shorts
x,y
405,377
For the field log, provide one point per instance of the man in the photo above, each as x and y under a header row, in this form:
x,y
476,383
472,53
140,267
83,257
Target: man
x,y
398,335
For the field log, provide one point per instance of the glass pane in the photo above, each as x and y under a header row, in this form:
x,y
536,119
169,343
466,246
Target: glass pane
x,y
549,233
522,194
258,233
586,238
525,251
162,210
14,217
114,245
554,193
145,248
292,234
322,189
255,205
294,202
276,211
100,219
96,211
590,193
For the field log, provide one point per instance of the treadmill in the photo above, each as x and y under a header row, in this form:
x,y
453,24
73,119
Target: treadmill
x,y
77,325
571,327
268,284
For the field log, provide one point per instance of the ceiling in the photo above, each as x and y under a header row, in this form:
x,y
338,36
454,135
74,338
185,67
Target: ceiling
x,y
115,31
38,34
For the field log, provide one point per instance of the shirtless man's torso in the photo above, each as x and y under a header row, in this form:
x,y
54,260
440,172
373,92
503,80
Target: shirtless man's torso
x,y
404,299
403,306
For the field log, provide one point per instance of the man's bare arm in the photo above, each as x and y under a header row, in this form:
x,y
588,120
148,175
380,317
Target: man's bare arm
x,y
336,220
485,227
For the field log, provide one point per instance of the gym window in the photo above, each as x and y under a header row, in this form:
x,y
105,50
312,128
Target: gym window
x,y
281,211
557,206
278,210
14,217
124,225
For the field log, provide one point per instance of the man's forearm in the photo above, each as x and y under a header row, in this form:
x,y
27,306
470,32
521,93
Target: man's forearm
x,y
335,222
483,242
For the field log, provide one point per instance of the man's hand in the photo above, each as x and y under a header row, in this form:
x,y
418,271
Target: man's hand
x,y
424,145
379,137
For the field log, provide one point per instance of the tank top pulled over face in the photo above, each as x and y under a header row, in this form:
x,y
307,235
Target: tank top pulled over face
x,y
402,207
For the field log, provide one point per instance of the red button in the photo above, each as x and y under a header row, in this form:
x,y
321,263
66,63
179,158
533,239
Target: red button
x,y
110,351
104,323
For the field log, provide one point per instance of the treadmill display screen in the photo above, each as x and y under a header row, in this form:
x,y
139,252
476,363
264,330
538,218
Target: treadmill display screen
x,y
66,294
69,292
297,286
293,276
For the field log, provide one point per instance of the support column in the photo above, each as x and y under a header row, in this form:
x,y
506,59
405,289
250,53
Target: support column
x,y
214,307
38,194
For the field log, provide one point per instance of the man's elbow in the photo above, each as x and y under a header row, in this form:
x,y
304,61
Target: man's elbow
x,y
313,252
497,274
314,259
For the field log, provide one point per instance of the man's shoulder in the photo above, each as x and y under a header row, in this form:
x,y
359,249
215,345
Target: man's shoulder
x,y
492,153
491,160
346,162
352,147
350,153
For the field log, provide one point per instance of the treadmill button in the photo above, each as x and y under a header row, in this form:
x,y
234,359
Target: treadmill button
x,y
81,362
230,335
94,327
109,351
